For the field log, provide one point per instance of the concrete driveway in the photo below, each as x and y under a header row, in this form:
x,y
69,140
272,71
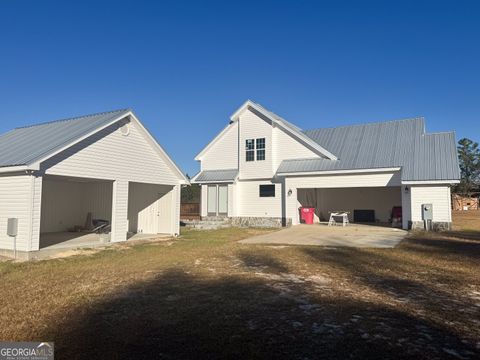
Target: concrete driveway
x,y
353,235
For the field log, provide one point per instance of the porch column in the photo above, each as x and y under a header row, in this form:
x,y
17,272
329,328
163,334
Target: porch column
x,y
406,205
35,213
203,200
119,211
290,201
176,198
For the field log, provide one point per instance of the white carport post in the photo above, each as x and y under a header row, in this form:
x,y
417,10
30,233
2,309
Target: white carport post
x,y
176,196
35,213
119,211
290,203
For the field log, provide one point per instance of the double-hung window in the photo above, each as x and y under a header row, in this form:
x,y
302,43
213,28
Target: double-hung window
x,y
250,150
261,149
252,146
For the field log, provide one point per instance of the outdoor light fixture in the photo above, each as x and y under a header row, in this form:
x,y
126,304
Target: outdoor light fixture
x,y
290,192
407,189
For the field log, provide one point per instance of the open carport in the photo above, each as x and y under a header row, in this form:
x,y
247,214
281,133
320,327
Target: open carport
x,y
363,204
75,211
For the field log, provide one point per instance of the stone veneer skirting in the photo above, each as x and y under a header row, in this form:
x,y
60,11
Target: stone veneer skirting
x,y
436,225
261,222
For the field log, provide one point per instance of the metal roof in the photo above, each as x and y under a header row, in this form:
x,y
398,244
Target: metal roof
x,y
216,175
25,145
400,143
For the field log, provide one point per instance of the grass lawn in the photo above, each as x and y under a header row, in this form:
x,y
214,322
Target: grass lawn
x,y
206,296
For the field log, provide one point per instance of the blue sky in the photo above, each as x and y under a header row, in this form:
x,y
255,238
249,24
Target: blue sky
x,y
184,67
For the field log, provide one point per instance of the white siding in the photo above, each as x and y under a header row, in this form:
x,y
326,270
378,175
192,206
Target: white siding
x,y
285,147
224,153
439,196
16,202
111,155
120,211
251,204
333,181
253,127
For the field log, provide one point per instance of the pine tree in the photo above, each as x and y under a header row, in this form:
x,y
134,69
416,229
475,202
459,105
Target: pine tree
x,y
469,159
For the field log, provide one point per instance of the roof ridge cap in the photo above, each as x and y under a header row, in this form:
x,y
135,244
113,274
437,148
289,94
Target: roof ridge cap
x,y
72,118
417,118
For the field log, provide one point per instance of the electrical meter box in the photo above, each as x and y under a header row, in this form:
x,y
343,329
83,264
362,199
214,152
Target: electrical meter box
x,y
427,211
12,227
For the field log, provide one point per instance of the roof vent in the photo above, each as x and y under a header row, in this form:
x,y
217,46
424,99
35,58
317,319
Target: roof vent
x,y
125,130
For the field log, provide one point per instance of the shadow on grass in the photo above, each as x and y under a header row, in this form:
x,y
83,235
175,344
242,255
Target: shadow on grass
x,y
178,316
463,244
262,260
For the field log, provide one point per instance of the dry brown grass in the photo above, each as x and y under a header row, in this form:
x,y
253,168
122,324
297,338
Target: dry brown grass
x,y
467,220
206,296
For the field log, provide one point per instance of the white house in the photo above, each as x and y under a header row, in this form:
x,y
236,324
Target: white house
x,y
56,176
261,168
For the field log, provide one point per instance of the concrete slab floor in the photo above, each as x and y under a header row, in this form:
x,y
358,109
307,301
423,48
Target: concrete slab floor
x,y
353,235
64,244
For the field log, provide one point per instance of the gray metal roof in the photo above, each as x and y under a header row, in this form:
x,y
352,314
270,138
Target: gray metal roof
x,y
25,145
401,143
216,175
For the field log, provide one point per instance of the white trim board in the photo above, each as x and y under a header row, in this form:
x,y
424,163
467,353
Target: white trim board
x,y
333,172
428,182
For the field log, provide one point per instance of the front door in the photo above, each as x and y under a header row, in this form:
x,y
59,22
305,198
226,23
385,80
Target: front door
x,y
222,200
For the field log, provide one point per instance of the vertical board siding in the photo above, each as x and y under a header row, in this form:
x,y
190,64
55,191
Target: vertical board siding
x,y
150,209
16,202
224,153
111,155
120,211
251,204
439,196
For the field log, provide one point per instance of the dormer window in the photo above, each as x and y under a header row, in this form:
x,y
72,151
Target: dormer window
x,y
252,146
250,150
261,149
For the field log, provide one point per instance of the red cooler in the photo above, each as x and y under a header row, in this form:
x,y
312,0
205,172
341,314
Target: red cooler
x,y
306,215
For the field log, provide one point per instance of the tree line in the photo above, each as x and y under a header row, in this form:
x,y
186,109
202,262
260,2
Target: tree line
x,y
469,161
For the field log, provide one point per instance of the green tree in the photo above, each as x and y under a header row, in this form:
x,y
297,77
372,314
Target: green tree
x,y
191,194
469,158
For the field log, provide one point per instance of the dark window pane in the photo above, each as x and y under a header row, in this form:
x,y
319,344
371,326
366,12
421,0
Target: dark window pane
x,y
261,143
249,144
260,154
267,190
250,155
